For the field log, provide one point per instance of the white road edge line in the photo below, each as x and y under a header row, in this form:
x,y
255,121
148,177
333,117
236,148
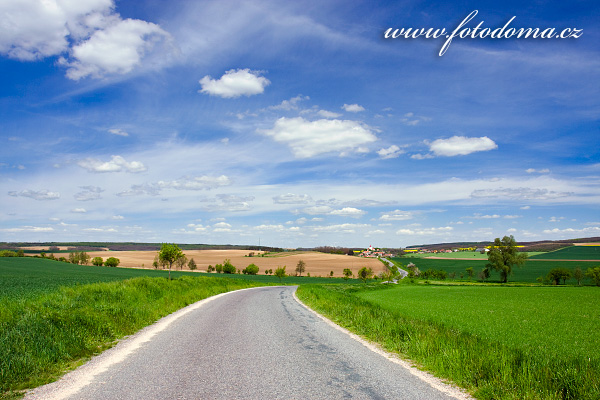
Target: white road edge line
x,y
424,376
72,382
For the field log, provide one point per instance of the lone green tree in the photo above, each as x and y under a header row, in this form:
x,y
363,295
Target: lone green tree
x,y
348,273
169,253
280,273
503,256
300,267
112,262
97,261
365,273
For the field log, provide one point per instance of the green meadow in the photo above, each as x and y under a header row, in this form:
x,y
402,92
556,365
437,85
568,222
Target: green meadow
x,y
495,342
54,315
529,273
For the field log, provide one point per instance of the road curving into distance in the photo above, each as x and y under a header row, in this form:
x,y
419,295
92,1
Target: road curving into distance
x,y
258,343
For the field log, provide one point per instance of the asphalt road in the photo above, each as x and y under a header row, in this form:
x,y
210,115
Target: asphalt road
x,y
252,344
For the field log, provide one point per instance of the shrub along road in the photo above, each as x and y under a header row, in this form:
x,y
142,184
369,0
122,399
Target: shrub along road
x,y
252,343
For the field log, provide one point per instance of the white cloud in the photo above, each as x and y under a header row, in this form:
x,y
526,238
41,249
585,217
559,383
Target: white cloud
x,y
348,212
197,183
341,228
397,215
316,210
525,207
539,171
36,194
461,145
291,198
204,182
519,193
34,29
328,114
89,193
391,152
421,156
353,108
117,217
264,227
116,164
310,138
97,40
116,49
588,231
118,132
291,104
28,229
425,231
235,83
79,210
228,202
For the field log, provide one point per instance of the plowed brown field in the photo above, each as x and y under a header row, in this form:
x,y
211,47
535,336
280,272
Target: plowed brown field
x,y
317,264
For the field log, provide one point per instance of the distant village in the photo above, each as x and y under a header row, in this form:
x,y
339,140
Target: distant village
x,y
372,252
375,252
454,250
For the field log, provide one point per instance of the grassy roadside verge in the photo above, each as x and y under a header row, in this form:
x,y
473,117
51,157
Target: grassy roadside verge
x,y
42,337
486,368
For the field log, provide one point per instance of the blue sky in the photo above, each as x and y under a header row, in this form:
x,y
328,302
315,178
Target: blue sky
x,y
297,123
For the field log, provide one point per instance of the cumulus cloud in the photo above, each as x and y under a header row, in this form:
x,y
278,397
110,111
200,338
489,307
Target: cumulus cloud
x,y
396,215
539,171
348,212
235,83
310,138
118,132
89,193
36,194
291,104
391,152
116,49
328,114
95,40
461,145
79,210
116,164
291,198
354,108
316,210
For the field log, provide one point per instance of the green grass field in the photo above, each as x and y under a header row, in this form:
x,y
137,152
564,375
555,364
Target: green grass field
x,y
529,273
558,321
27,276
54,315
571,253
496,342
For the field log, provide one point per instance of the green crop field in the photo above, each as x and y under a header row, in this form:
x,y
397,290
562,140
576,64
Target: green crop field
x,y
558,321
572,253
26,276
533,268
496,342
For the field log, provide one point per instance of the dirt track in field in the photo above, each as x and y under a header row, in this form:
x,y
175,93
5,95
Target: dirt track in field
x,y
317,264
